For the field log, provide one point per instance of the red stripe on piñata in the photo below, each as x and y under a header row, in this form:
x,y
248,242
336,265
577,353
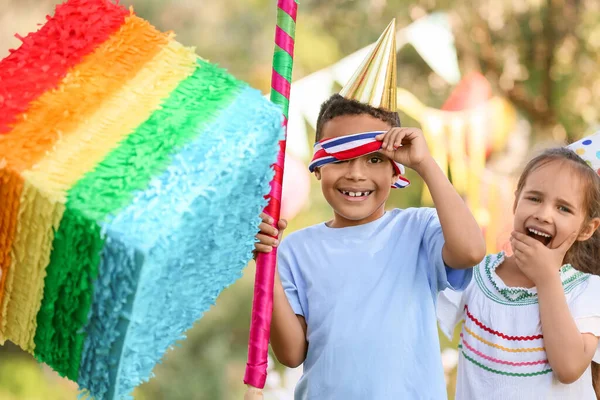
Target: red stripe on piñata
x,y
500,334
283,40
46,56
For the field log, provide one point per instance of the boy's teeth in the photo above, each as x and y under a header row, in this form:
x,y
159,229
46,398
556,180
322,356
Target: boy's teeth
x,y
355,194
539,233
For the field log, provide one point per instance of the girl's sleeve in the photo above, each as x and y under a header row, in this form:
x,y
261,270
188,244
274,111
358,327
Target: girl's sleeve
x,y
450,309
585,309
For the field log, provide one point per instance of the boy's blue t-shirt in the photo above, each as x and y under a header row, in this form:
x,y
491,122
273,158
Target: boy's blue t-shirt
x,y
368,295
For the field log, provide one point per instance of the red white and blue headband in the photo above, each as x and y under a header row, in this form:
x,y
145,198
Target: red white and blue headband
x,y
348,147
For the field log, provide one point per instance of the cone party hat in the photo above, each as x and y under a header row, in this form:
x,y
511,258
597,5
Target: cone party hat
x,y
588,148
374,82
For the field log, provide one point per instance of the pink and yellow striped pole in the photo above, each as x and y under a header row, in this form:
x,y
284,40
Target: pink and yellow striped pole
x,y
262,305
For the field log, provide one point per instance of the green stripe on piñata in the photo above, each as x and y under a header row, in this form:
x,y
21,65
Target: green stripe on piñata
x,y
105,190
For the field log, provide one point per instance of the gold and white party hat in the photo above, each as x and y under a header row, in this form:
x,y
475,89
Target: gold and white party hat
x,y
374,82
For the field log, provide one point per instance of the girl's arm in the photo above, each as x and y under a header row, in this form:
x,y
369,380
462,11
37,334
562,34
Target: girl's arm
x,y
569,351
288,330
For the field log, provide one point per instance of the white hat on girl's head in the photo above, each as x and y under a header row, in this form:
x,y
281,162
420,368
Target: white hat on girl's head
x,y
588,148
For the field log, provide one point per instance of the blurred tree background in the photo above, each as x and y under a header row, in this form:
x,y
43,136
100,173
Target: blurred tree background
x,y
542,55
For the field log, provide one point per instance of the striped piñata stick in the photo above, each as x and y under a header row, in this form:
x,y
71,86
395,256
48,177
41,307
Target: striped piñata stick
x,y
262,306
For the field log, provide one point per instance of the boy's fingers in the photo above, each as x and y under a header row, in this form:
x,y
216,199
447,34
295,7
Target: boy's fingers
x,y
266,218
282,224
393,139
263,248
268,229
268,240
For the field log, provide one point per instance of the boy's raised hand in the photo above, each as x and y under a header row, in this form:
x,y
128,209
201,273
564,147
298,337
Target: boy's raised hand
x,y
266,237
406,146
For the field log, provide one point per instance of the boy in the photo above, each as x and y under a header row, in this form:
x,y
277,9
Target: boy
x,y
355,297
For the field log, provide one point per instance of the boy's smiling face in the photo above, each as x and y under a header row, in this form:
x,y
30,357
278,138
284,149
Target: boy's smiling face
x,y
356,189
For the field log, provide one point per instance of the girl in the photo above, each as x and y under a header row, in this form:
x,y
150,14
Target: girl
x,y
531,321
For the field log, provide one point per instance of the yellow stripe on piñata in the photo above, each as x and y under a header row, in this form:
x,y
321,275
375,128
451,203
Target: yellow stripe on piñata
x,y
57,113
77,153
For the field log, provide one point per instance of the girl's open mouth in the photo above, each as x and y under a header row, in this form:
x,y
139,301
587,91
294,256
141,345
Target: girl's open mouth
x,y
540,236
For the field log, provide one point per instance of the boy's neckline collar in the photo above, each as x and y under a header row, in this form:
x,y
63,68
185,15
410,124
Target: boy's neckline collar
x,y
357,231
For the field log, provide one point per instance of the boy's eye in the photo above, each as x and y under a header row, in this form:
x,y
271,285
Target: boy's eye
x,y
533,198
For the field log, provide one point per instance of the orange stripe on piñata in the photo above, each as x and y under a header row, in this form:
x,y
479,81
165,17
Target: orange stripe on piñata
x,y
53,117
45,57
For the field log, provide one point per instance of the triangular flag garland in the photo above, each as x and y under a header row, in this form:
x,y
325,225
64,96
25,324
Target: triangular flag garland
x,y
132,174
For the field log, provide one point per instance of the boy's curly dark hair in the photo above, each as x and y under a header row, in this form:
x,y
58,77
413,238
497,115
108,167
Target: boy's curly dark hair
x,y
338,105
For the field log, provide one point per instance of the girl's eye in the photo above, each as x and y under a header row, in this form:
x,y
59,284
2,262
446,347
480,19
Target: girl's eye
x,y
375,160
564,209
533,198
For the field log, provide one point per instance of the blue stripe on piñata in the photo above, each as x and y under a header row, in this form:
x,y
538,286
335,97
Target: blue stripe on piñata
x,y
183,240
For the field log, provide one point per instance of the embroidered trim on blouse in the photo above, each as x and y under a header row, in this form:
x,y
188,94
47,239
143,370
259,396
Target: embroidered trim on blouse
x,y
515,296
500,334
495,371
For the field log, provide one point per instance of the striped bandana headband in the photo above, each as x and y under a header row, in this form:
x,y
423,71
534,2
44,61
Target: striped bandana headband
x,y
348,147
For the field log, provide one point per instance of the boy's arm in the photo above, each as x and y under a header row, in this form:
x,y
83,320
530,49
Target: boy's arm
x,y
464,244
288,330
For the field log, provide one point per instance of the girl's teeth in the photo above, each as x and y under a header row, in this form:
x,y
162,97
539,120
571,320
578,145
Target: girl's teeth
x,y
539,233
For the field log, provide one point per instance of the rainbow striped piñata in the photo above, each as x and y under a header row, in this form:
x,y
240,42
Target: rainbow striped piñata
x,y
132,174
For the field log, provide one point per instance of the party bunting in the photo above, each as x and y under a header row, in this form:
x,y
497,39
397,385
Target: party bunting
x,y
124,161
